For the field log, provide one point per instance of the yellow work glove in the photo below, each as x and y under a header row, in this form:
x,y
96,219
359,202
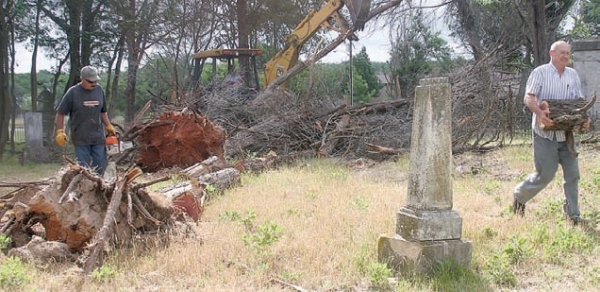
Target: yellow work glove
x,y
61,138
110,130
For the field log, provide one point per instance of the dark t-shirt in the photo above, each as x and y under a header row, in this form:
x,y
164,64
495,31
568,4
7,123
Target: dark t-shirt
x,y
83,108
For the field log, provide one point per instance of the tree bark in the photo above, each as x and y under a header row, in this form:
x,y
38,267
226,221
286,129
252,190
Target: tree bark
x,y
537,17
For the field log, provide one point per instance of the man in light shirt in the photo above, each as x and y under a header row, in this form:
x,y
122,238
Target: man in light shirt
x,y
551,81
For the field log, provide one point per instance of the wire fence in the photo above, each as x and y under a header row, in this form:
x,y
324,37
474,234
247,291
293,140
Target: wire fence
x,y
19,133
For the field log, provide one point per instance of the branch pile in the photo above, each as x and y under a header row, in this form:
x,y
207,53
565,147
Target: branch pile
x,y
283,123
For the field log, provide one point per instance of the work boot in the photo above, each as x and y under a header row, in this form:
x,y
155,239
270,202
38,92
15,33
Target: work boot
x,y
575,220
518,208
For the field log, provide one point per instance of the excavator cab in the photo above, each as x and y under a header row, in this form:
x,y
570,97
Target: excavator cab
x,y
233,57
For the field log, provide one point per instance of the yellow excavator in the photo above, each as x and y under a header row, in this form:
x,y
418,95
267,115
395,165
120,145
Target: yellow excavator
x,y
329,16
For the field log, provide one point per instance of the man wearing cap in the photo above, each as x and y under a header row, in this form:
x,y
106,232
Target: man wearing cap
x,y
85,104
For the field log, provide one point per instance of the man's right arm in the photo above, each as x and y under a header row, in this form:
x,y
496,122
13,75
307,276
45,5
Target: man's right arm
x,y
60,121
542,115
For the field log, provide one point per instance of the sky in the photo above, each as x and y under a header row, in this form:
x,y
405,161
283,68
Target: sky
x,y
375,41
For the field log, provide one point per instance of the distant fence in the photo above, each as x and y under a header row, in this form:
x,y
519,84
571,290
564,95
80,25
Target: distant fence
x,y
19,133
20,128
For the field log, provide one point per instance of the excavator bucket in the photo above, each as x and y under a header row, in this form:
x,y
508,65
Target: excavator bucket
x,y
359,12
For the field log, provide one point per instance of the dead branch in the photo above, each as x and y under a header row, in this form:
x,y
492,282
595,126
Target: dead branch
x,y
96,256
70,188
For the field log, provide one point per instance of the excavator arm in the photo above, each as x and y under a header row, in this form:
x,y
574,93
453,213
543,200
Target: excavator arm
x,y
328,17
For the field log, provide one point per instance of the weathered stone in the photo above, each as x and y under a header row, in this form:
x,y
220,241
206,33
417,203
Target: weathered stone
x,y
430,179
428,231
422,256
419,225
586,60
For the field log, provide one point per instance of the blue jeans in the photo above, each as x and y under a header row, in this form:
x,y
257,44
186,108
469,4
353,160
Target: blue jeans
x,y
547,156
92,156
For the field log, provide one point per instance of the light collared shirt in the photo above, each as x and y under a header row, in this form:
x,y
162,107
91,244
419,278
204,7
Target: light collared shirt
x,y
545,83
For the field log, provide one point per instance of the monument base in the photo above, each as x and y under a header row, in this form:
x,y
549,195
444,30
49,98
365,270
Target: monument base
x,y
421,225
422,256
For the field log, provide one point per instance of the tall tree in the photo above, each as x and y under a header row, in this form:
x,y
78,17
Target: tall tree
x,y
142,25
5,99
587,19
415,47
364,68
490,26
539,34
78,21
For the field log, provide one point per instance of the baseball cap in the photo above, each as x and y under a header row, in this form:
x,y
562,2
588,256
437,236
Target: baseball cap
x,y
90,73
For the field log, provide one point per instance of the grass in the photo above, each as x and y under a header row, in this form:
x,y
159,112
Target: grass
x,y
316,225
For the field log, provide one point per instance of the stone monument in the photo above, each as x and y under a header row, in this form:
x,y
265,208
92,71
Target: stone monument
x,y
428,231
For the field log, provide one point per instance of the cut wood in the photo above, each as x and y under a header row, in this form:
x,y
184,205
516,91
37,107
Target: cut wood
x,y
568,115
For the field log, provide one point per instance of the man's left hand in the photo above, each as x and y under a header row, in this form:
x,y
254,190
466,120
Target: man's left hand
x,y
110,130
586,125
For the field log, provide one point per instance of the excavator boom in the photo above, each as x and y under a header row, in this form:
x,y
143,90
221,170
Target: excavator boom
x,y
327,16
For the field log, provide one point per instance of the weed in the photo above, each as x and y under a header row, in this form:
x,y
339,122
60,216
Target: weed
x,y
13,273
311,195
378,274
103,273
498,269
498,199
230,216
490,186
247,220
263,237
293,211
488,232
290,276
448,275
540,234
551,209
571,239
594,276
5,242
340,174
233,216
210,189
362,258
361,203
592,215
517,249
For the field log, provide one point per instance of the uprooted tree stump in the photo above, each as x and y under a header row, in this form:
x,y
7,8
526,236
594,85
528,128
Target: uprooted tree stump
x,y
79,212
176,139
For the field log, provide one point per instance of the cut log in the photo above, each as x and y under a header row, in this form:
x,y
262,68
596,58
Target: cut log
x,y
568,115
211,164
220,180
